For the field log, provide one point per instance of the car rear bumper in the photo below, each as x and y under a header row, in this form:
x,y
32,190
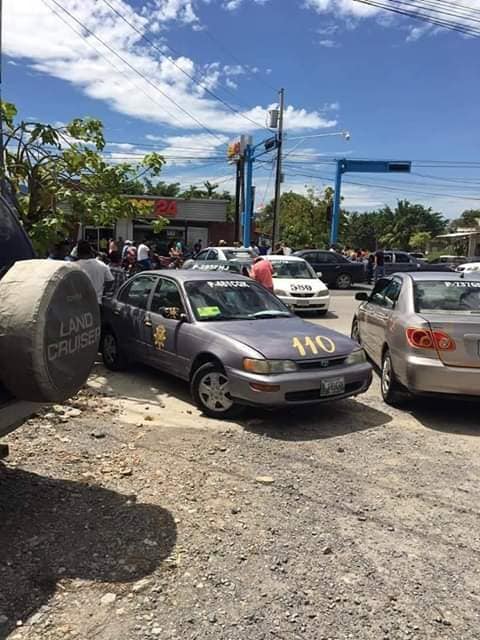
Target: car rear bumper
x,y
307,304
301,387
426,375
14,414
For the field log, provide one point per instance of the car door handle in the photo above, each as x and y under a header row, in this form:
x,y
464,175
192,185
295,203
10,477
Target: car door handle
x,y
147,323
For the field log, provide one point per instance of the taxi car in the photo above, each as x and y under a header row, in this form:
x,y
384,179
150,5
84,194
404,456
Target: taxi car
x,y
423,330
297,285
232,340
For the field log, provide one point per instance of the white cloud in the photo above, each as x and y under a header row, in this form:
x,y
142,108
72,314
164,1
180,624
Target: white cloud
x,y
329,44
87,64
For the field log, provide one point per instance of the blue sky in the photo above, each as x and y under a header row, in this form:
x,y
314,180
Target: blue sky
x,y
403,91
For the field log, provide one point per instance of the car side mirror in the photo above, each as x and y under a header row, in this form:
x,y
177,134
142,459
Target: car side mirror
x,y
319,274
361,296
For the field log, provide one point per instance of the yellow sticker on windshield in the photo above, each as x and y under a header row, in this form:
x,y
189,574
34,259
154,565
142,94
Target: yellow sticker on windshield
x,y
208,312
311,346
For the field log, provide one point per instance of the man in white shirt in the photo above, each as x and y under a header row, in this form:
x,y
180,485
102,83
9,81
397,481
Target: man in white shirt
x,y
97,271
143,252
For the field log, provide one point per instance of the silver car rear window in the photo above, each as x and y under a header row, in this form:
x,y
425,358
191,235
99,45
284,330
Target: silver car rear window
x,y
451,296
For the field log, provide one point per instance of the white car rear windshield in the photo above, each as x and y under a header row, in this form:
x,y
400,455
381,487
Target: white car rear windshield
x,y
447,296
293,269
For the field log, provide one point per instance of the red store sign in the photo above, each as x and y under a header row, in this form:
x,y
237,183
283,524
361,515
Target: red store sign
x,y
165,208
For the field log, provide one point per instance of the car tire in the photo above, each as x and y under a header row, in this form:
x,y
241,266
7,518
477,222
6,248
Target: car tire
x,y
390,388
343,281
209,390
113,356
355,332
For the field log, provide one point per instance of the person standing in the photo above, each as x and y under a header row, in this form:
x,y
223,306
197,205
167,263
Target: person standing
x,y
370,268
97,271
117,272
262,272
379,264
143,255
286,249
197,247
263,249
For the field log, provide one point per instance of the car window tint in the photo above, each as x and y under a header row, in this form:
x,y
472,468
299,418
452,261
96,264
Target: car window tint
x,y
392,292
378,293
137,292
202,255
402,257
388,257
166,295
212,254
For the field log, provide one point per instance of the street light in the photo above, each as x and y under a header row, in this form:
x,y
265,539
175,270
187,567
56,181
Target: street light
x,y
344,134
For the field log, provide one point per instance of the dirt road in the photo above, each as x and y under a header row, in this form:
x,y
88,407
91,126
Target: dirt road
x,y
128,515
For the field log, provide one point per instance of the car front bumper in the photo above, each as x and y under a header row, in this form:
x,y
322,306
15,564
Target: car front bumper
x,y
300,387
316,303
426,375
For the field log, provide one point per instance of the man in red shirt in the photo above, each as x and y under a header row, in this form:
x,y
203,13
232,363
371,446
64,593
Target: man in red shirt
x,y
262,272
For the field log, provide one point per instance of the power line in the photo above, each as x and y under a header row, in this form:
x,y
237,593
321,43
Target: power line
x,y
431,18
139,73
188,75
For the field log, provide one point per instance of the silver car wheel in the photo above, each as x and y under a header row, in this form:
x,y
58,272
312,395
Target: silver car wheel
x,y
110,347
355,331
386,376
213,390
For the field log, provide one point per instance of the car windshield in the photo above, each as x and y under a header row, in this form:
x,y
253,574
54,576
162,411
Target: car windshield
x,y
293,269
237,254
219,300
447,296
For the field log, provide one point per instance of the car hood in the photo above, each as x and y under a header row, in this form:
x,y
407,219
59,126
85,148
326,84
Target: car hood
x,y
299,285
283,338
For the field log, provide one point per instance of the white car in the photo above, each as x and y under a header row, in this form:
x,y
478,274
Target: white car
x,y
297,284
224,253
468,267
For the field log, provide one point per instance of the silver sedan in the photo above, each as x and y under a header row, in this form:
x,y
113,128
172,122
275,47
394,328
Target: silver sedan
x,y
423,331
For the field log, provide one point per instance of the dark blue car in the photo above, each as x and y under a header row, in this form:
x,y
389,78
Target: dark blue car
x,y
337,271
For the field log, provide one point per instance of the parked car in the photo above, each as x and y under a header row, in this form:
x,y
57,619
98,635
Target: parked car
x,y
468,267
224,253
423,331
417,255
401,261
232,340
49,326
297,285
448,261
337,271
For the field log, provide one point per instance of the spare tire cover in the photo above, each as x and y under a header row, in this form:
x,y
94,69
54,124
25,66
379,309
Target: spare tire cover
x,y
49,329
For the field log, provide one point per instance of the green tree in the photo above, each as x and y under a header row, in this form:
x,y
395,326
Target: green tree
x,y
469,218
303,218
57,177
408,219
420,240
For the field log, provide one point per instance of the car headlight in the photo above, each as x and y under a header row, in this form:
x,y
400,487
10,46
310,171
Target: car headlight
x,y
356,357
269,366
281,292
323,293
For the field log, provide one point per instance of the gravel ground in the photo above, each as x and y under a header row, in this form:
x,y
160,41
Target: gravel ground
x,y
126,515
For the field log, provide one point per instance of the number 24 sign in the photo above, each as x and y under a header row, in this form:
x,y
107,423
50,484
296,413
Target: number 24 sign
x,y
166,208
307,345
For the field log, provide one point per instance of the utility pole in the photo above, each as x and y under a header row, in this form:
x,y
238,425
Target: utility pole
x,y
238,189
278,177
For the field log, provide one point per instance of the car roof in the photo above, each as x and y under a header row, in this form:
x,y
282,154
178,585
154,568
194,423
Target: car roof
x,y
274,257
433,275
184,275
228,248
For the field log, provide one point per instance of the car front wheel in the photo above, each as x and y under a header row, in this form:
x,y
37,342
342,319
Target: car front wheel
x,y
211,392
390,387
113,356
343,281
355,333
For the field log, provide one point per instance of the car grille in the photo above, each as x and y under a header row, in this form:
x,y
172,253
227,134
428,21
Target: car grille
x,y
324,363
302,295
314,394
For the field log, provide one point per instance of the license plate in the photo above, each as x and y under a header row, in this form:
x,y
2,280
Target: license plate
x,y
302,303
332,387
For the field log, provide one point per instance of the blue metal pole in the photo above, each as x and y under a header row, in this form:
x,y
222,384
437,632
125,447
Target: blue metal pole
x,y
247,212
336,204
